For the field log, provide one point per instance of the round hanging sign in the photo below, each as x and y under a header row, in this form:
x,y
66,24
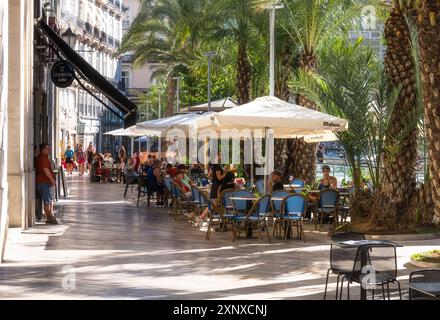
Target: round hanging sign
x,y
62,74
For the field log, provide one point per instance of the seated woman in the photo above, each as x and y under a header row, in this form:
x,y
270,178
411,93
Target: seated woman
x,y
327,182
228,182
182,182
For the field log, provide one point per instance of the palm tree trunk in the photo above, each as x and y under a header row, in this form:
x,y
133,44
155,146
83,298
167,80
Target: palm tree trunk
x,y
399,165
172,90
243,75
429,40
302,158
282,91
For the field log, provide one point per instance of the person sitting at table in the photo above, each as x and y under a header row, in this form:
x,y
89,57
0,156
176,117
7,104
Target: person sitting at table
x,y
137,161
171,171
228,181
275,182
147,166
327,182
183,183
154,181
216,174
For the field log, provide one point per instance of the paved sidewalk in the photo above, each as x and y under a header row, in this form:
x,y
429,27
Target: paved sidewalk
x,y
106,248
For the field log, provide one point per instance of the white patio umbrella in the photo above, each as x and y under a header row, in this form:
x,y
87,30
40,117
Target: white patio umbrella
x,y
217,106
286,120
185,122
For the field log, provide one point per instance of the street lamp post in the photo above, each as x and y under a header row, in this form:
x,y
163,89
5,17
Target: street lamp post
x,y
160,107
178,92
272,47
209,55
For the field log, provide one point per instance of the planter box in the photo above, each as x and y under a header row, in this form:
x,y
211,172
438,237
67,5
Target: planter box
x,y
425,265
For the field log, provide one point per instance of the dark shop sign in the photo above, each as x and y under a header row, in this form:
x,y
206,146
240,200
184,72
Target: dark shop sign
x,y
62,74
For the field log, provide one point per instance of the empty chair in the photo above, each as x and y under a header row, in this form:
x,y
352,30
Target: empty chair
x,y
259,185
298,185
423,276
214,218
249,185
276,210
298,182
240,207
340,261
255,218
294,208
328,206
344,208
381,262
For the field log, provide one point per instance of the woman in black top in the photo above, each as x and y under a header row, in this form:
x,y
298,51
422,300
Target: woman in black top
x,y
216,174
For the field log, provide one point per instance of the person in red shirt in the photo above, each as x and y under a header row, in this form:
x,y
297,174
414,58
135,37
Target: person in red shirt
x,y
137,161
45,180
171,171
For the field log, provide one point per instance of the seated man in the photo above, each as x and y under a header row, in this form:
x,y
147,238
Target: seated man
x,y
275,182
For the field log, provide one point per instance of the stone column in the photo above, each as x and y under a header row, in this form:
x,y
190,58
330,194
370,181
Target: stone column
x,y
3,125
20,114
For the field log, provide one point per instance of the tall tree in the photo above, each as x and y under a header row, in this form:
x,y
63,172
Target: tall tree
x,y
166,32
429,39
400,154
236,21
309,24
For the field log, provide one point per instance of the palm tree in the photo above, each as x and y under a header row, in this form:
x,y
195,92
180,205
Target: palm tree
x,y
400,152
429,40
163,33
309,24
233,22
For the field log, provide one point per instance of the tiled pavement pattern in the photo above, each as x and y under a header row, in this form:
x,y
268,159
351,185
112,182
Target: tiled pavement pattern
x,y
118,251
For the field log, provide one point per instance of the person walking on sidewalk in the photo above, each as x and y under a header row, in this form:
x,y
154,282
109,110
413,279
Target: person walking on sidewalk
x,y
90,155
81,159
69,157
45,180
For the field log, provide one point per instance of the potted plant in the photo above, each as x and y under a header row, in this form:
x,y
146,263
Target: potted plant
x,y
426,260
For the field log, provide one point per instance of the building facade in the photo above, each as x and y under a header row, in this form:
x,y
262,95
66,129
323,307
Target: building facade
x,y
98,28
33,110
135,80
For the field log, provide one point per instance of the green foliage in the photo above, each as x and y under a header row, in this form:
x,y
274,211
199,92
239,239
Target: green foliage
x,y
429,256
351,85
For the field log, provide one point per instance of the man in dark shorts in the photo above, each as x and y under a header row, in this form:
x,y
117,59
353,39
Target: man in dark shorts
x,y
44,180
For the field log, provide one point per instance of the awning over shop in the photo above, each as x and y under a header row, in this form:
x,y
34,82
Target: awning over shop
x,y
93,77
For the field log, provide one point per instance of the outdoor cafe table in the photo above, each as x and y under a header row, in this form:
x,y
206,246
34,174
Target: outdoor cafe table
x,y
431,289
363,245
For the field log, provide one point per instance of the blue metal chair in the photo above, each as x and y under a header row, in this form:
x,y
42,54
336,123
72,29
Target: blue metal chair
x,y
276,209
298,182
169,186
344,208
256,217
328,206
294,207
240,207
249,185
213,216
259,185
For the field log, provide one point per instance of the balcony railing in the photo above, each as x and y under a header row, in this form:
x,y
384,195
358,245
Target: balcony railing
x,y
103,37
125,24
89,29
96,32
80,24
111,42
